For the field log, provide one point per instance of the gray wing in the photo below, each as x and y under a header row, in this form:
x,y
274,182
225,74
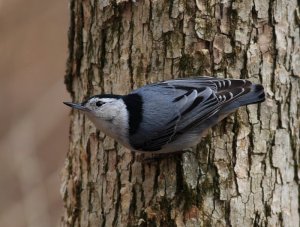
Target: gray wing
x,y
174,107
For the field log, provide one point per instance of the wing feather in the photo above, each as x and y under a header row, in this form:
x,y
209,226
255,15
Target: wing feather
x,y
192,101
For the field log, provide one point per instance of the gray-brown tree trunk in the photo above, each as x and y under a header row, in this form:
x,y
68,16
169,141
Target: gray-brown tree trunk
x,y
245,172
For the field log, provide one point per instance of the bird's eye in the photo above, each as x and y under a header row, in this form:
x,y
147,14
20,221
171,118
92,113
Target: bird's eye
x,y
99,103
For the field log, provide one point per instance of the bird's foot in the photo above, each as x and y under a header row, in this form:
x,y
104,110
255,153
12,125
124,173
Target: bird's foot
x,y
187,150
153,158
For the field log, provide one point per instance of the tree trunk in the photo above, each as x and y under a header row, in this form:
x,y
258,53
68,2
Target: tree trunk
x,y
245,171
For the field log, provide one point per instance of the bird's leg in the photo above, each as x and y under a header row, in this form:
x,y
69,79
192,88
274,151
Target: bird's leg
x,y
188,150
151,158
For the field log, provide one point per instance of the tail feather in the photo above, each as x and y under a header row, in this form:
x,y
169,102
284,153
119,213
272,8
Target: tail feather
x,y
256,95
253,93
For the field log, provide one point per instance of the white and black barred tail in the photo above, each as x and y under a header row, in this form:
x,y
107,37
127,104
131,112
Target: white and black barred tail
x,y
255,95
239,93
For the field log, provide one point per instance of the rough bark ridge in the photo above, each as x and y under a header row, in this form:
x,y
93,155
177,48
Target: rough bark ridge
x,y
245,172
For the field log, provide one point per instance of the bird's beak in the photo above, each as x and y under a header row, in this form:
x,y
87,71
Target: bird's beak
x,y
76,106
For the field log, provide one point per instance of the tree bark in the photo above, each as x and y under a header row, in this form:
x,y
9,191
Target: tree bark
x,y
245,171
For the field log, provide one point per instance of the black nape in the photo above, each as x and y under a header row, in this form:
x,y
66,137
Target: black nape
x,y
134,104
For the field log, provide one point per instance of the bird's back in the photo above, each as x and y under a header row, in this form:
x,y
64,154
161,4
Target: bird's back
x,y
175,111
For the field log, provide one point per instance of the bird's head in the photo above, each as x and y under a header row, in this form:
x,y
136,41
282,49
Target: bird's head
x,y
102,107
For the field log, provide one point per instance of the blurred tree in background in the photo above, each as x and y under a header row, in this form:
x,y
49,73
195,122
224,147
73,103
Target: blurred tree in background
x,y
34,122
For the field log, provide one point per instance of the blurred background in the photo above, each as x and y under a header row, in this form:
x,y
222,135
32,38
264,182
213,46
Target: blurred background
x,y
34,122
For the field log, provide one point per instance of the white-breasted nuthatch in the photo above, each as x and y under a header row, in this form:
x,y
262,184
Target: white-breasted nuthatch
x,y
168,116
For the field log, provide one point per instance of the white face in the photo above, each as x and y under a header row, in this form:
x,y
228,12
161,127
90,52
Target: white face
x,y
109,114
103,108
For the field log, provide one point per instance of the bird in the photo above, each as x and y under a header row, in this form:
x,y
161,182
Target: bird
x,y
168,116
